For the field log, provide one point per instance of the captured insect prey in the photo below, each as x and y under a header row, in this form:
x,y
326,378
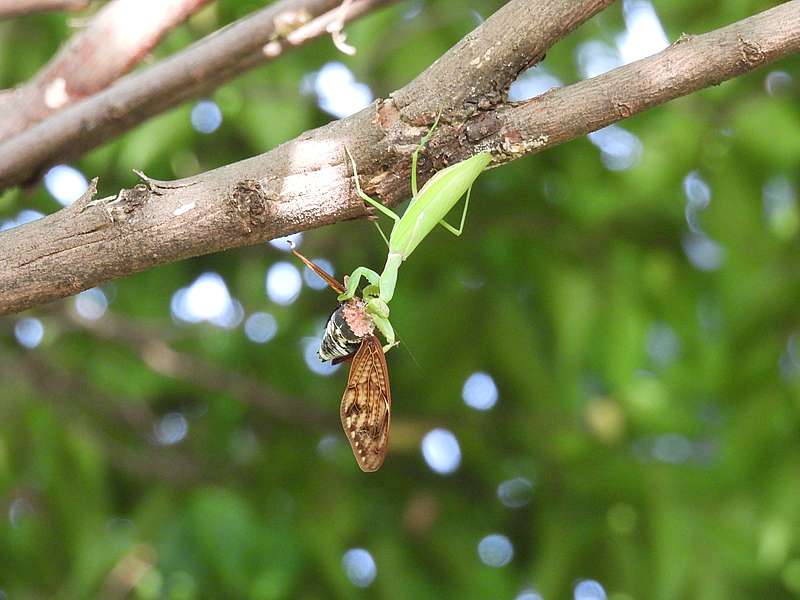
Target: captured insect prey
x,y
367,401
350,331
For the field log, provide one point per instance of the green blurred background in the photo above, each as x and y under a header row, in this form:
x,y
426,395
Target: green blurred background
x,y
603,371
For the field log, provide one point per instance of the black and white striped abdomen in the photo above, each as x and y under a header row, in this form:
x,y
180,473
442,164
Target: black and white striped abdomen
x,y
346,329
339,340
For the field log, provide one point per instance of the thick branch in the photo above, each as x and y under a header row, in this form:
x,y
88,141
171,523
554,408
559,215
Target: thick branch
x,y
306,183
188,74
17,8
117,38
515,38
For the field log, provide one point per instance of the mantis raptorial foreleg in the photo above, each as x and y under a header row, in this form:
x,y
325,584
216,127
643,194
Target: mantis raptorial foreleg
x,y
351,285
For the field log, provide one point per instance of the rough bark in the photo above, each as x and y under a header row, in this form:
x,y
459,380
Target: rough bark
x,y
118,37
307,183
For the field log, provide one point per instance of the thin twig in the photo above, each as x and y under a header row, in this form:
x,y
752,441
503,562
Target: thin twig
x,y
336,28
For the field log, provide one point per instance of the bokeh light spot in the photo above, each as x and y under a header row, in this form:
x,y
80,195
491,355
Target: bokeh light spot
x,y
314,281
19,510
338,93
260,327
619,149
778,82
780,206
25,216
170,429
703,252
282,243
479,391
672,448
311,356
516,492
206,116
644,35
531,83
359,566
663,344
789,361
29,332
207,299
595,58
441,451
283,283
328,445
66,184
589,589
91,304
698,199
495,550
414,10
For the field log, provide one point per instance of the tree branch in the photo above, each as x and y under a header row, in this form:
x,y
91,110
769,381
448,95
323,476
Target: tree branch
x,y
117,38
193,72
17,8
306,183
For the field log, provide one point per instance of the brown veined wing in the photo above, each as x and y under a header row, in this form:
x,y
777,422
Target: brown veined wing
x,y
366,405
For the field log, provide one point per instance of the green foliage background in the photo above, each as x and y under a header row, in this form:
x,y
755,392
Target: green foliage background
x,y
653,405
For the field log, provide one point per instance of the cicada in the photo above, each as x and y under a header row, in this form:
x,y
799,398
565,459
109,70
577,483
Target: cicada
x,y
366,405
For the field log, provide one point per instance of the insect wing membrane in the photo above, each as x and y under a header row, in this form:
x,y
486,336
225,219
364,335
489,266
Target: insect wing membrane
x,y
366,405
323,274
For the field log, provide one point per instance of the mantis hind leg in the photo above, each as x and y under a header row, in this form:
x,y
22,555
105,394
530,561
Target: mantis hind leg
x,y
383,235
452,229
424,142
371,201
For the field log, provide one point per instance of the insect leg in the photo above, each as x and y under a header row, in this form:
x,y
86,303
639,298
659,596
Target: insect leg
x,y
386,329
426,138
355,279
452,229
372,202
383,235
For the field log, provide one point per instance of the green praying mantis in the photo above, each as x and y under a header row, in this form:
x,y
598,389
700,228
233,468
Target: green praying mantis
x,y
427,209
365,409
